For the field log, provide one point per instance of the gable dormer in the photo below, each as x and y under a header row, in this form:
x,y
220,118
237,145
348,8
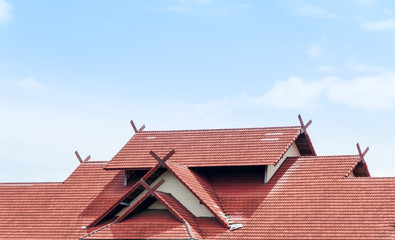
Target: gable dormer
x,y
192,190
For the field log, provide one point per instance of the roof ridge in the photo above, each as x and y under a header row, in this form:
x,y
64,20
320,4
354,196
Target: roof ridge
x,y
28,183
217,129
97,161
371,178
324,156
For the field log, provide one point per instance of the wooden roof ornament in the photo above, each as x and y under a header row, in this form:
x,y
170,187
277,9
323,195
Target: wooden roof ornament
x,y
135,128
304,127
162,162
80,159
362,166
151,191
362,155
303,141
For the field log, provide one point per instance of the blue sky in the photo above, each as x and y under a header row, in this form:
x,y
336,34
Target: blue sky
x,y
74,73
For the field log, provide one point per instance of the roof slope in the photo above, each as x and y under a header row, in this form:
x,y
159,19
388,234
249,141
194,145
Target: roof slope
x,y
149,224
307,197
201,188
58,211
304,200
202,148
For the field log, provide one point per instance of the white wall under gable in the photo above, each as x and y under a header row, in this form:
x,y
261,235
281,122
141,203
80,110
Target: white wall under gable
x,y
182,194
157,205
179,191
271,169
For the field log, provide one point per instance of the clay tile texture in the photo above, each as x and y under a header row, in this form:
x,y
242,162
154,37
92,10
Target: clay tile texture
x,y
252,183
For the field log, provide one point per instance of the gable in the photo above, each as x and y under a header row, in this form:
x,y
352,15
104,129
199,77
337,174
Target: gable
x,y
174,187
292,151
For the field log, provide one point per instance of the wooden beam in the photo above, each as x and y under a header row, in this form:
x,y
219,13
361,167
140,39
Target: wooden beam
x,y
162,162
135,128
80,159
87,158
151,191
304,127
78,156
362,154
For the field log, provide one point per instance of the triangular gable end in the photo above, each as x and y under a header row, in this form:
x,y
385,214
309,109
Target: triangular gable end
x,y
129,196
201,188
193,196
151,195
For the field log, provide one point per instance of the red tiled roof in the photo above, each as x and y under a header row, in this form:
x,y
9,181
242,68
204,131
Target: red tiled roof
x,y
201,188
133,191
307,198
304,200
183,214
149,224
58,211
173,205
202,148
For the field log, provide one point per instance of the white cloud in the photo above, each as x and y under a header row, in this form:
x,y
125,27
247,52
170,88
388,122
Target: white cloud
x,y
376,92
202,1
312,11
315,51
195,1
31,83
368,93
5,11
293,93
326,68
364,2
174,9
379,25
363,67
198,110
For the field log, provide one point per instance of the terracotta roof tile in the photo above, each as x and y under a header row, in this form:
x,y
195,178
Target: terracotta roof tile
x,y
201,188
198,148
149,224
307,198
58,211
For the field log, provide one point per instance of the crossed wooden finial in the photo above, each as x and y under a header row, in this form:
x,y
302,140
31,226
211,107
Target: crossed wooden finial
x,y
80,159
134,127
162,162
151,191
304,127
362,154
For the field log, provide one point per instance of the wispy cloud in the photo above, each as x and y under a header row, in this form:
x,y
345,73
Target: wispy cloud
x,y
294,93
379,25
315,51
195,1
175,9
370,93
364,2
304,9
31,83
363,67
327,68
5,11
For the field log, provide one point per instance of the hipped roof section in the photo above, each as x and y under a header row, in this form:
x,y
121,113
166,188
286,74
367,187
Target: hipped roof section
x,y
209,148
